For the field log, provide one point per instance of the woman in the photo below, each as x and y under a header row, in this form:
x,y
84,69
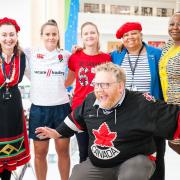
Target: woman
x,y
169,66
50,101
141,64
14,146
81,68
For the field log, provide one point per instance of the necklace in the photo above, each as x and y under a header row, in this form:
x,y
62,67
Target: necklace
x,y
8,77
133,68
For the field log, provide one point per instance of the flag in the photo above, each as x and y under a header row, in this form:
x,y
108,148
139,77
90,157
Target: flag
x,y
71,23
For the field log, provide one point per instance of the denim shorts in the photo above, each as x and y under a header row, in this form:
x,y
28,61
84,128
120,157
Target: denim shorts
x,y
50,116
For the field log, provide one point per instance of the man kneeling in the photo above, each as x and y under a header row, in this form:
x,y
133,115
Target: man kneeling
x,y
121,125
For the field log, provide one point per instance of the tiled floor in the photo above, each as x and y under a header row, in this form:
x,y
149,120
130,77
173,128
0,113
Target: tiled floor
x,y
172,161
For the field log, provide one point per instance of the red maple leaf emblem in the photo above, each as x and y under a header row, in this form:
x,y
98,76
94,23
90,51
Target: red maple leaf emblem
x,y
103,136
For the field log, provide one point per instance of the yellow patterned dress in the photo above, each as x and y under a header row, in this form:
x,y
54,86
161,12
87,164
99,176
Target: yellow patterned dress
x,y
169,69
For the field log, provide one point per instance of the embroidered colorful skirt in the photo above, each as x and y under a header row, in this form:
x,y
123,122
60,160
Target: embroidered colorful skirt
x,y
14,145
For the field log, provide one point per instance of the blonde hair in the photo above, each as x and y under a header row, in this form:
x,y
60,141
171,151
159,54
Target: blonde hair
x,y
51,22
92,24
118,72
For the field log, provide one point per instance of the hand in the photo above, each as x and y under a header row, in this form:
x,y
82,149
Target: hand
x,y
76,48
46,132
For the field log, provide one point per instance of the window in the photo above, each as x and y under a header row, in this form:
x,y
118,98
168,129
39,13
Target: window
x,y
146,11
136,10
117,9
163,12
103,8
92,8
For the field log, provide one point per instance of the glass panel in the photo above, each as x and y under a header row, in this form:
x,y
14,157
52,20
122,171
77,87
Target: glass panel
x,y
163,12
92,8
103,8
117,9
146,11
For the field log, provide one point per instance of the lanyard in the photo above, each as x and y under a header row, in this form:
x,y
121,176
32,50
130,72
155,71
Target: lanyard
x,y
7,77
136,62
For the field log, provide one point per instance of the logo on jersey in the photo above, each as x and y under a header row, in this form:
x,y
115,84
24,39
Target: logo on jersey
x,y
103,147
40,56
49,73
149,97
60,57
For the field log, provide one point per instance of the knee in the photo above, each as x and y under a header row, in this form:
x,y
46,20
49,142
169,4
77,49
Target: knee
x,y
62,152
137,168
77,173
40,155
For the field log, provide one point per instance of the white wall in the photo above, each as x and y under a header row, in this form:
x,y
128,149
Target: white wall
x,y
30,15
20,11
154,28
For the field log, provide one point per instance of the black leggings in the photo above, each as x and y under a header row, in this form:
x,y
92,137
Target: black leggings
x,y
83,141
5,175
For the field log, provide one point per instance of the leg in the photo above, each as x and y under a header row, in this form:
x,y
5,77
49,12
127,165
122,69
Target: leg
x,y
87,171
136,168
40,152
5,175
83,141
62,149
159,173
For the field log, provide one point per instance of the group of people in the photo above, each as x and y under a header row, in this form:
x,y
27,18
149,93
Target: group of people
x,y
120,128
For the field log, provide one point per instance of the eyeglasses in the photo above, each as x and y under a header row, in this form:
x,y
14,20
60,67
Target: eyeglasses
x,y
102,85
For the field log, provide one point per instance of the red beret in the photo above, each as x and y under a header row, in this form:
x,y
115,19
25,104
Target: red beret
x,y
129,26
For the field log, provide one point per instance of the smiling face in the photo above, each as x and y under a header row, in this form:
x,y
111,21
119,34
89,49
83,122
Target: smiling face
x,y
90,36
50,37
174,27
110,95
132,40
8,37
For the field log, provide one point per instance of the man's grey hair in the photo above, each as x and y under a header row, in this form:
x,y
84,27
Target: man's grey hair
x,y
118,72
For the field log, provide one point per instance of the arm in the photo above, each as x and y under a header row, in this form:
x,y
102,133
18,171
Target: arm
x,y
73,123
165,117
28,53
66,129
27,70
161,118
70,78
